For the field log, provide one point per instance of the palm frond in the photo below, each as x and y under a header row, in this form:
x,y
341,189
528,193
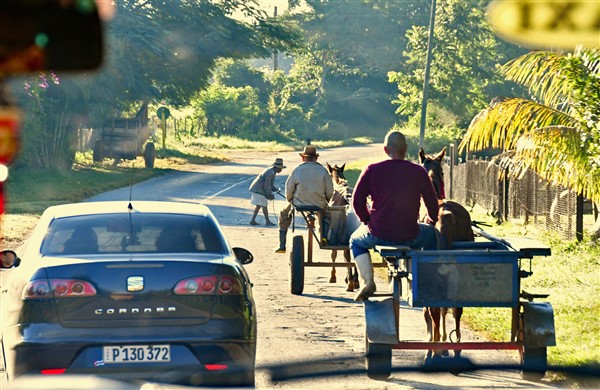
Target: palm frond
x,y
559,156
507,119
557,136
554,77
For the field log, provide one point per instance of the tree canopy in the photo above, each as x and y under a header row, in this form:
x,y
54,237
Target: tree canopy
x,y
156,50
465,55
167,49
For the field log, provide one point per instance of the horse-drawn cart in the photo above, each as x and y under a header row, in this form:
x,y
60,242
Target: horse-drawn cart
x,y
484,273
301,256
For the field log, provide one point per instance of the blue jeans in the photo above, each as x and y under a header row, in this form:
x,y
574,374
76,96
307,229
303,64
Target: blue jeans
x,y
362,240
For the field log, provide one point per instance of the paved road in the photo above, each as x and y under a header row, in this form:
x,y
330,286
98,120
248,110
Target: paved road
x,y
323,325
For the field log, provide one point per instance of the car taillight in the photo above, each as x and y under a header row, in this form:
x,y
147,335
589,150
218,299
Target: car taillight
x,y
208,285
58,288
53,371
216,367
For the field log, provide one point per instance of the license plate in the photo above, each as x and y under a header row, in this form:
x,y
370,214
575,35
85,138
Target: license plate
x,y
137,353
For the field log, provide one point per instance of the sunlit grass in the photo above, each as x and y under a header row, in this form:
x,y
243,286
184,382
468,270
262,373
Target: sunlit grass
x,y
212,143
232,143
31,191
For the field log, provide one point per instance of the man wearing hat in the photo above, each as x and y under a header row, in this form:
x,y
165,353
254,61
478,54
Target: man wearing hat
x,y
309,184
263,189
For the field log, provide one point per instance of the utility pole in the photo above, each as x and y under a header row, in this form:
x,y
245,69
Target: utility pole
x,y
275,64
426,81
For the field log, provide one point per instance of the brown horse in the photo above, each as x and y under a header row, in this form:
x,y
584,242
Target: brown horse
x,y
454,224
342,223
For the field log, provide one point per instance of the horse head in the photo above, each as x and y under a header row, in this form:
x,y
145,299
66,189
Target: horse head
x,y
342,193
433,165
337,174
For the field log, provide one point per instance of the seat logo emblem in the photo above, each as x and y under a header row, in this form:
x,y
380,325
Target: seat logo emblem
x,y
135,283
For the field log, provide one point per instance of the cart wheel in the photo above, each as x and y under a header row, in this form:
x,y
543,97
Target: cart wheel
x,y
378,360
149,155
297,265
533,363
98,151
533,360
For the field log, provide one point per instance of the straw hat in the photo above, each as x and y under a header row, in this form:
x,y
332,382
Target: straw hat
x,y
278,163
309,151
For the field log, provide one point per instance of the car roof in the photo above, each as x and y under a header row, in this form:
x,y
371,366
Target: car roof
x,y
121,206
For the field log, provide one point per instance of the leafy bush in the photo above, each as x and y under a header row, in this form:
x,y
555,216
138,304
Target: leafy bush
x,y
435,138
332,130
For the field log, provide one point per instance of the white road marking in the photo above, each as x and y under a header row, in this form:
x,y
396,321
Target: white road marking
x,y
223,190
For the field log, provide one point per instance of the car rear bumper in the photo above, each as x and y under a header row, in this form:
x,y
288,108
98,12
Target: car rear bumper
x,y
195,351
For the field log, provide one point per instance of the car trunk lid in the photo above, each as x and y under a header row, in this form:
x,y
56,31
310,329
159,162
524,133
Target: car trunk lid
x,y
137,292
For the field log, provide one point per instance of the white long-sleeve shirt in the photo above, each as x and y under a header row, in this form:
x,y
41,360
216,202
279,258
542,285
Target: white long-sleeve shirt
x,y
309,184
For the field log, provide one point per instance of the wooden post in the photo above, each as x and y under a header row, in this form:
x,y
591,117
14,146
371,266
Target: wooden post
x,y
164,130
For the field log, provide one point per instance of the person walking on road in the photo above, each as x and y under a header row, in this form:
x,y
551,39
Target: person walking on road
x,y
395,188
263,189
309,184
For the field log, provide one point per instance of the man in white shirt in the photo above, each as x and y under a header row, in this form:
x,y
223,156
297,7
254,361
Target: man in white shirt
x,y
309,184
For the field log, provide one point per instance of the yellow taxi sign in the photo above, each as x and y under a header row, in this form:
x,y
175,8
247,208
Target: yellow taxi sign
x,y
547,23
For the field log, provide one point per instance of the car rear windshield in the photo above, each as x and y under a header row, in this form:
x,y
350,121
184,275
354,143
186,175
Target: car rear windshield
x,y
132,233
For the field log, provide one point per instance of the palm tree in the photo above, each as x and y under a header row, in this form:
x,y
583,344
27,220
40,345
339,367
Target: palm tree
x,y
556,133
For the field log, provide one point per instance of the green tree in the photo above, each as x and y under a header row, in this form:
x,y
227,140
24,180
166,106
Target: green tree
x,y
54,109
226,110
169,48
465,57
156,50
556,132
239,74
349,48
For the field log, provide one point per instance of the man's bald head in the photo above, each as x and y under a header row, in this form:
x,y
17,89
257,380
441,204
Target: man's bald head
x,y
395,145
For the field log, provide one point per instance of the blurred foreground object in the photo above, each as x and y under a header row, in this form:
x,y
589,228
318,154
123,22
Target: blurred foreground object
x,y
547,24
49,34
9,138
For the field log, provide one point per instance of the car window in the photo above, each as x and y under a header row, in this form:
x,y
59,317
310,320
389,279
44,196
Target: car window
x,y
123,233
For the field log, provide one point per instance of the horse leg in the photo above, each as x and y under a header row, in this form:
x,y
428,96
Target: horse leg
x,y
351,284
332,278
457,314
444,335
434,318
355,280
427,317
444,311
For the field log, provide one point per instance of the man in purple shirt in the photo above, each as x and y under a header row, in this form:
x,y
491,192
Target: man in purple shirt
x,y
387,199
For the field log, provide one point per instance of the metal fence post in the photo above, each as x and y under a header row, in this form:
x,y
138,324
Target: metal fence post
x,y
579,218
452,163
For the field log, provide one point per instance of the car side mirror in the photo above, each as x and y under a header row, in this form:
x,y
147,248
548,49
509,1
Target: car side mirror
x,y
49,35
9,259
243,255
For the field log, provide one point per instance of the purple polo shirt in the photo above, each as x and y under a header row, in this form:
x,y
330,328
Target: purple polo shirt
x,y
395,188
